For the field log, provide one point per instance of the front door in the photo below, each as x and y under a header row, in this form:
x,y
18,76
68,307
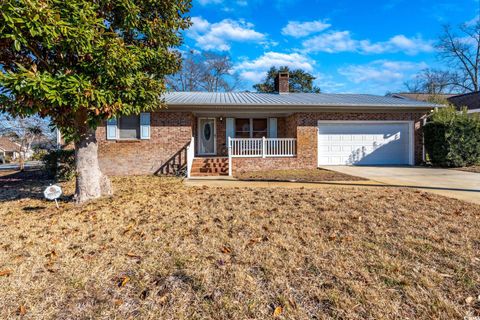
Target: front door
x,y
206,136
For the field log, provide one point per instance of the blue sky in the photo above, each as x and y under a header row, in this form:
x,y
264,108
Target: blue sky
x,y
350,46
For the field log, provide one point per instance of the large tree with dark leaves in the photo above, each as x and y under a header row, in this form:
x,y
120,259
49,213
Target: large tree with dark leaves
x,y
299,81
81,62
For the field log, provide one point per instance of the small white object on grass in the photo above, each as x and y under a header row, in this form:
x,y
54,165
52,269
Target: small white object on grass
x,y
53,193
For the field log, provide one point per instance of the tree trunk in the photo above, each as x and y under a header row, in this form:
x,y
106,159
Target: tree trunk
x,y
21,161
90,181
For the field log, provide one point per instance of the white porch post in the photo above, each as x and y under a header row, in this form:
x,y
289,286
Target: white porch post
x,y
229,156
264,145
190,156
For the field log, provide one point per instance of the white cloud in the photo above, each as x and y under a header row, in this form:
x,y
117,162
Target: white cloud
x,y
255,70
328,84
382,71
302,29
199,24
206,2
331,42
241,3
219,35
398,43
342,41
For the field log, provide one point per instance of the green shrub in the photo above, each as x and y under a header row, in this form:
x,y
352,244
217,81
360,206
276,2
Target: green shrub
x,y
39,154
452,138
60,164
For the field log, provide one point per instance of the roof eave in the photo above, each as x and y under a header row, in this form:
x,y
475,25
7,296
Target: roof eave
x,y
298,108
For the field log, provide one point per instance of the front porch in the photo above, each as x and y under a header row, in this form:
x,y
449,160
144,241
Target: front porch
x,y
219,145
211,132
217,140
237,148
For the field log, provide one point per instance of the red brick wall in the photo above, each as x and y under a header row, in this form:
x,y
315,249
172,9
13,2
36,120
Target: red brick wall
x,y
259,164
303,126
281,127
169,132
291,126
222,136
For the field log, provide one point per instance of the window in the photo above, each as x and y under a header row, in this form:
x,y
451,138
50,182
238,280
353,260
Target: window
x,y
242,128
129,127
259,128
251,128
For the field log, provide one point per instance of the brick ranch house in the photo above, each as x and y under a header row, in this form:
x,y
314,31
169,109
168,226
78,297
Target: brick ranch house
x,y
9,150
223,133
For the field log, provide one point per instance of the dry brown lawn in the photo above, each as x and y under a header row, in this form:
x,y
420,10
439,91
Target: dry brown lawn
x,y
161,250
301,175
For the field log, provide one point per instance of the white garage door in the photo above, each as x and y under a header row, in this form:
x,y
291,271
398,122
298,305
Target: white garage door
x,y
365,143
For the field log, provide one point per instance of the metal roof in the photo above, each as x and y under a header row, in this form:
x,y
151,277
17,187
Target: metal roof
x,y
288,99
470,100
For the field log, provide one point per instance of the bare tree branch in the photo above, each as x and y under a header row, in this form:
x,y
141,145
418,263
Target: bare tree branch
x,y
204,72
462,54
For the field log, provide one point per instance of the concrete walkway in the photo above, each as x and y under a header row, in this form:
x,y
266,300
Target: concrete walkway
x,y
450,183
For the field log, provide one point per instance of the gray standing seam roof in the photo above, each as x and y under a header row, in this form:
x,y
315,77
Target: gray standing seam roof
x,y
288,99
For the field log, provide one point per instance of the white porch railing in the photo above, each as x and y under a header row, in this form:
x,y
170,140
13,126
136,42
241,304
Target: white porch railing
x,y
190,156
260,148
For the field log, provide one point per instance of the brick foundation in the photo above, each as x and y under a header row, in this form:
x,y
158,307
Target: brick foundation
x,y
260,164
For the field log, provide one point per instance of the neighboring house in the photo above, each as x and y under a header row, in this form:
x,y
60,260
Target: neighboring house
x,y
425,97
469,100
9,150
265,131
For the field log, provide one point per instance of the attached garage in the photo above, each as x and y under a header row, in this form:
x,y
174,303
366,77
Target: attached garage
x,y
365,143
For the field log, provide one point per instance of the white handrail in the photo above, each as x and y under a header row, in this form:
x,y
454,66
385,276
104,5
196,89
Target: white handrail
x,y
190,156
261,147
229,146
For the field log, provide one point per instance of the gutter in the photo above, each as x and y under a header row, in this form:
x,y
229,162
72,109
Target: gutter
x,y
299,108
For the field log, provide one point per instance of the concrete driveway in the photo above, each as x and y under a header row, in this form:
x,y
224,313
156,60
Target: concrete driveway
x,y
450,183
16,166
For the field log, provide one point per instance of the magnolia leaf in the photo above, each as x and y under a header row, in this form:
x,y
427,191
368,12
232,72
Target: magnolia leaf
x,y
22,310
226,250
124,281
278,311
16,45
133,255
6,272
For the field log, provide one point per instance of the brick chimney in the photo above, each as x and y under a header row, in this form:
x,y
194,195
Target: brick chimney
x,y
281,82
